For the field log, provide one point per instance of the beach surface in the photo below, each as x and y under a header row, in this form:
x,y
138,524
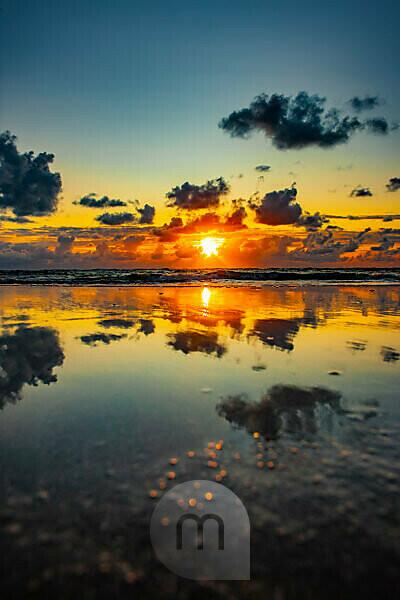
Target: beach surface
x,y
287,394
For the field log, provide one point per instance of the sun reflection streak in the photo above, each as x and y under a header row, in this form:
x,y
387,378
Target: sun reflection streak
x,y
205,297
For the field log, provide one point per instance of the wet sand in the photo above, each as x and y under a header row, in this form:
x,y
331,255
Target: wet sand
x,y
287,395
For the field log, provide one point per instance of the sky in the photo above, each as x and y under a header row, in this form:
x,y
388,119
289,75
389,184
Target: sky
x,y
149,109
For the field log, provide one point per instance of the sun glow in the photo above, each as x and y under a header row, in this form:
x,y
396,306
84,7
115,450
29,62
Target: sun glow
x,y
210,246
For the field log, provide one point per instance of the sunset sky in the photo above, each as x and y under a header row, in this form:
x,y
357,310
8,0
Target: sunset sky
x,y
199,134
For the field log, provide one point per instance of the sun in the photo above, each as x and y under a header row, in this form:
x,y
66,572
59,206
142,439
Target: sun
x,y
210,246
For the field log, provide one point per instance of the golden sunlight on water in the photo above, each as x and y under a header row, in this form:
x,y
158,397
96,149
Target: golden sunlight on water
x,y
205,296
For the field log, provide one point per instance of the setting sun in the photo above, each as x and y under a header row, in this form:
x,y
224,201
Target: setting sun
x,y
210,245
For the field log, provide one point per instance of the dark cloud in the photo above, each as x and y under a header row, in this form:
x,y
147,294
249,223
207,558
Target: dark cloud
x,y
367,103
263,168
169,232
297,122
211,221
189,196
284,408
325,245
392,217
27,356
385,244
393,185
6,219
64,244
105,338
360,192
207,222
312,222
91,201
379,126
27,186
277,208
147,214
193,341
116,218
235,219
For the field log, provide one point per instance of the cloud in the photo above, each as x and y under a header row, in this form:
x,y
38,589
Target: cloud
x,y
297,122
387,217
379,126
312,222
367,103
91,201
169,231
27,186
360,192
325,246
147,214
213,222
277,208
262,168
384,245
207,222
116,218
6,219
64,244
185,251
27,356
393,185
235,219
189,196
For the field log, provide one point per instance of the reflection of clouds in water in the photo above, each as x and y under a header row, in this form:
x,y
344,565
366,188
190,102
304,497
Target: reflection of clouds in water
x,y
277,333
356,345
93,339
146,326
390,354
121,323
283,408
193,341
27,356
